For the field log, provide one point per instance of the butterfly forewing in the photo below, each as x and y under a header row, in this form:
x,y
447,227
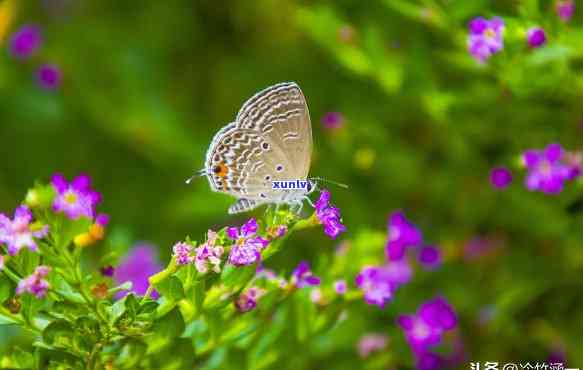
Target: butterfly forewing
x,y
280,114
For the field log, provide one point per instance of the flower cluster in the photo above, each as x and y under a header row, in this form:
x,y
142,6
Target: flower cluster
x,y
550,168
329,216
20,232
486,37
35,283
26,42
424,330
248,244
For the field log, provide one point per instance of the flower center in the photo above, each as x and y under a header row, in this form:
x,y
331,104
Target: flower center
x,y
394,233
70,198
420,330
489,33
545,168
20,227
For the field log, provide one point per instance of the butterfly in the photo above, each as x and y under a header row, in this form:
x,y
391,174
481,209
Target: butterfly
x,y
270,142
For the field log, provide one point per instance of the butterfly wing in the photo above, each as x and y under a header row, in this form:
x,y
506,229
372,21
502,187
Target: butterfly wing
x,y
238,164
280,114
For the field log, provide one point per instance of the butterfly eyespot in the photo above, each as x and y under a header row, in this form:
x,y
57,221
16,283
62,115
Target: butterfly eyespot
x,y
279,168
265,145
220,170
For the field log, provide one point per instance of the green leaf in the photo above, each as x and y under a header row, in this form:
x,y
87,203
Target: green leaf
x,y
237,277
6,288
171,288
130,355
59,333
165,329
22,359
65,289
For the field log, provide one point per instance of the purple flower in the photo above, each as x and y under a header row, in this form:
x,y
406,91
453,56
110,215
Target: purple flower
x,y
248,245
25,42
332,120
107,271
340,286
485,37
49,77
370,343
565,9
247,301
209,255
182,252
18,232
102,219
138,265
500,177
402,234
430,361
536,37
574,160
429,257
302,276
546,170
378,288
35,283
329,216
425,328
75,199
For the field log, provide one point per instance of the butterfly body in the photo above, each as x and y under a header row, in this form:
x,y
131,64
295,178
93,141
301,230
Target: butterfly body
x,y
270,141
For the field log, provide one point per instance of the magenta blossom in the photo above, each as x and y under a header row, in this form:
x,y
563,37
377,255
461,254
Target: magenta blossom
x,y
500,177
402,235
182,253
18,232
546,170
25,42
565,9
371,342
303,276
75,199
536,37
340,286
138,265
35,283
378,288
485,37
208,256
49,77
247,301
332,120
425,328
329,216
248,245
430,257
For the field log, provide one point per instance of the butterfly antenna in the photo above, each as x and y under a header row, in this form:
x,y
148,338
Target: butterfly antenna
x,y
198,174
344,186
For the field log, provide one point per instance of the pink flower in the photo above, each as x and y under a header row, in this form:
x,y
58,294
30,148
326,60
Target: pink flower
x,y
35,283
18,233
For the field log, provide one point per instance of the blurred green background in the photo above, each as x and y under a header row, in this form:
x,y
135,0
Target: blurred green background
x,y
146,84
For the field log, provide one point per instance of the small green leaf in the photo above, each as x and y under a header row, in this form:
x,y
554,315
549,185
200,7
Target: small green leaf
x,y
165,329
237,277
58,333
22,359
130,355
171,288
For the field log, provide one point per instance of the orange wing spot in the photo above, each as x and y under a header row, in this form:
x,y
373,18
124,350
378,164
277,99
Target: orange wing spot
x,y
221,170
